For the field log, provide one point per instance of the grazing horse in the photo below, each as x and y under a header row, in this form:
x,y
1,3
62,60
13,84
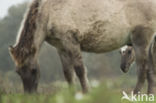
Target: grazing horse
x,y
72,26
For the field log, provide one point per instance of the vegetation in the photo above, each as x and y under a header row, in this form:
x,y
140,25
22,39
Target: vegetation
x,y
102,93
99,95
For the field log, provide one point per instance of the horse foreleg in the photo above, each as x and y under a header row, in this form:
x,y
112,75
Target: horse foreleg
x,y
81,73
67,67
72,59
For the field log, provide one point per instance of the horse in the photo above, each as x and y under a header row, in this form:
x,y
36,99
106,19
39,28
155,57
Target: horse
x,y
128,58
73,26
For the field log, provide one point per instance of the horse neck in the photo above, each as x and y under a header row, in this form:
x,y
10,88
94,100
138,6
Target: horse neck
x,y
29,40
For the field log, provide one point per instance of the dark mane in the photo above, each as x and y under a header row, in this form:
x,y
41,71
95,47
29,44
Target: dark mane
x,y
25,47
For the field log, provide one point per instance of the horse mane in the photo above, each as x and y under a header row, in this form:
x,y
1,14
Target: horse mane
x,y
24,43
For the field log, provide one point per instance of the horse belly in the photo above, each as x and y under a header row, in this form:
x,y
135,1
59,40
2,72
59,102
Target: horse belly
x,y
105,39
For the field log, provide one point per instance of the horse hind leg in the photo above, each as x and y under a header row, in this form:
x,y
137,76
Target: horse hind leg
x,y
141,39
141,78
153,53
150,79
151,72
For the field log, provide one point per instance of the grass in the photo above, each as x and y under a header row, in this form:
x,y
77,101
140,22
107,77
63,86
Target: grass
x,y
107,91
100,94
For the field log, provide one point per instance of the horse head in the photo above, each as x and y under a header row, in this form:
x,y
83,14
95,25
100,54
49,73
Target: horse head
x,y
127,58
26,66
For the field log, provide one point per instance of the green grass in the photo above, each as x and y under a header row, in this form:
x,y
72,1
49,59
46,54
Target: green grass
x,y
101,94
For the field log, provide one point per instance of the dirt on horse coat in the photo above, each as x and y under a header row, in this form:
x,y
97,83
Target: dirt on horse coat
x,y
73,26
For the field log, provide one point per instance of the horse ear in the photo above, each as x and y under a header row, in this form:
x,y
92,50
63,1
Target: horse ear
x,y
11,49
12,54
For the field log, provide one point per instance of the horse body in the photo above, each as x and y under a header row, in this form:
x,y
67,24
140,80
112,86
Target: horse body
x,y
92,26
103,25
98,26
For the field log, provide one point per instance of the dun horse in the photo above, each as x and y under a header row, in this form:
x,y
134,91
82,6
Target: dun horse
x,y
128,58
73,26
